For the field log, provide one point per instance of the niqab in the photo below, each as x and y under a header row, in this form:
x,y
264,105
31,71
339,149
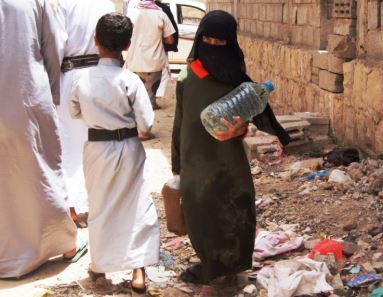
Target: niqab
x,y
227,64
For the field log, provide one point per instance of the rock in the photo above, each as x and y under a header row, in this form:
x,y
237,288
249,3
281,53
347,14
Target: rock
x,y
350,225
328,187
356,174
349,248
368,267
363,245
374,230
256,170
330,81
40,292
336,282
250,289
173,292
342,46
309,244
378,267
377,257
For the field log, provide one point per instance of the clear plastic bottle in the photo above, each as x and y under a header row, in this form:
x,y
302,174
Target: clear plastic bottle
x,y
246,101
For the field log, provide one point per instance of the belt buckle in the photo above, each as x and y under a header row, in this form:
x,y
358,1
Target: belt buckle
x,y
119,136
67,66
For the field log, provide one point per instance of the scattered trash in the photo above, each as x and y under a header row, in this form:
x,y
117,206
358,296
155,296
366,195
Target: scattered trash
x,y
318,174
300,276
364,280
378,292
339,176
327,246
175,243
338,157
167,260
159,274
268,244
355,270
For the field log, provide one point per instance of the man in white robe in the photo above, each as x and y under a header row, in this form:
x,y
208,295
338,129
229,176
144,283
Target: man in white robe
x,y
146,56
78,19
34,222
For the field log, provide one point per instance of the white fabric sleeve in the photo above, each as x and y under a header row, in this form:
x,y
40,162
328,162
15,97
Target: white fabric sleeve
x,y
50,52
168,28
142,107
74,103
61,31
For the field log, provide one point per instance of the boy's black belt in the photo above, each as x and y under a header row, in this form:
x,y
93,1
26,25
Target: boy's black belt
x,y
70,63
109,135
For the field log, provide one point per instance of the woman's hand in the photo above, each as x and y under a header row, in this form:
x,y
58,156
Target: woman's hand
x,y
236,130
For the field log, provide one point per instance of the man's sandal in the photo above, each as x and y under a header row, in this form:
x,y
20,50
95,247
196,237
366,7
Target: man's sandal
x,y
81,251
95,275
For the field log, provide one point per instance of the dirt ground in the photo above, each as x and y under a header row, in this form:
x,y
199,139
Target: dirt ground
x,y
317,208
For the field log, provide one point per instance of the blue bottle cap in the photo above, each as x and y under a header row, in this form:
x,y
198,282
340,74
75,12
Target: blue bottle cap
x,y
269,85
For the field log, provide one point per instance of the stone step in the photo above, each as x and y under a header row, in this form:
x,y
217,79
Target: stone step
x,y
297,125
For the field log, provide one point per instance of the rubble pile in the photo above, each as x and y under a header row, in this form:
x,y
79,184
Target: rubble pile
x,y
304,129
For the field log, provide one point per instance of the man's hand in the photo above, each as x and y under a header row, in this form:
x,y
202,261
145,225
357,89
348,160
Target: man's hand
x,y
238,129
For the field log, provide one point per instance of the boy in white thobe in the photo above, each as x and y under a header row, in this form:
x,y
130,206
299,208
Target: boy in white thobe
x,y
112,101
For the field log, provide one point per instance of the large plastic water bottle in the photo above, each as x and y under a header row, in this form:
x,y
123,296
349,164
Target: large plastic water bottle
x,y
246,101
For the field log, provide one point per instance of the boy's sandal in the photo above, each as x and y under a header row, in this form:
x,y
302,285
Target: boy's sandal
x,y
139,290
81,251
148,136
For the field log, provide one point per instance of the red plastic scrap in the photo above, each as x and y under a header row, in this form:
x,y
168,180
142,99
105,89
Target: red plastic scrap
x,y
327,246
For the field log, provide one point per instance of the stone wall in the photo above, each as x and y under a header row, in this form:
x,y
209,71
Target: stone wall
x,y
369,28
301,22
356,114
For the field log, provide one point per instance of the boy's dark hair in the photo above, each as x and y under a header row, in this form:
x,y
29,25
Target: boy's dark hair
x,y
113,31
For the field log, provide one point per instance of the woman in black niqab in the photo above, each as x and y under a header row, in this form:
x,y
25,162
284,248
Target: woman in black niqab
x,y
227,64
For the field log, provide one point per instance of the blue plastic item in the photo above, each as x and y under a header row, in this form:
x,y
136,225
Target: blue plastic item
x,y
355,270
364,280
246,101
319,174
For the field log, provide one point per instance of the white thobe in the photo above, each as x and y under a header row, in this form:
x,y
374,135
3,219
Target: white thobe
x,y
123,225
78,19
34,223
146,52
